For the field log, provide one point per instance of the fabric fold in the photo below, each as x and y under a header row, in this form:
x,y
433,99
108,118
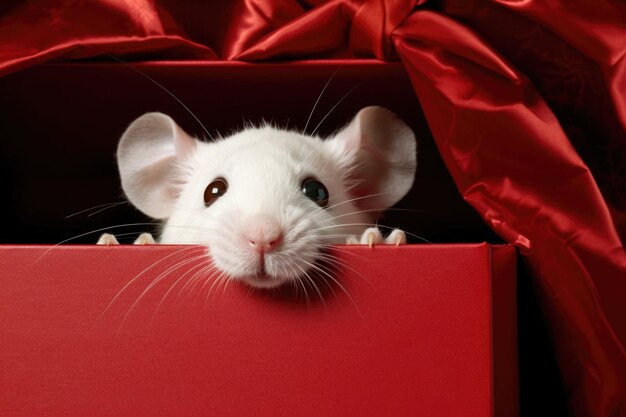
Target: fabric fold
x,y
526,101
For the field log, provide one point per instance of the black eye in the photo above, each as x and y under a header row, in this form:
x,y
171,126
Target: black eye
x,y
214,191
316,191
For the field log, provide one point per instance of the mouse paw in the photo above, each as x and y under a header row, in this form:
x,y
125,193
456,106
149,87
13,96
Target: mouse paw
x,y
144,239
372,236
107,239
352,240
396,237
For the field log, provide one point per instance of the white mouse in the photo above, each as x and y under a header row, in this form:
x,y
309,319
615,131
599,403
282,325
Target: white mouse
x,y
267,201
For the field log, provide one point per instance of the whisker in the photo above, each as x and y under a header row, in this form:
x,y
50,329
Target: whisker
x,y
333,108
89,233
143,74
339,225
305,274
362,211
206,266
199,266
368,225
226,284
128,284
317,269
320,96
222,284
333,279
351,200
299,280
106,206
215,282
207,279
155,282
334,260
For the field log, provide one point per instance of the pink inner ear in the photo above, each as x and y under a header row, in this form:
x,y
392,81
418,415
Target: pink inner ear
x,y
151,190
373,151
183,143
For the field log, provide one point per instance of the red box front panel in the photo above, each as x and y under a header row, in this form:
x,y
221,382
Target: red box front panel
x,y
133,331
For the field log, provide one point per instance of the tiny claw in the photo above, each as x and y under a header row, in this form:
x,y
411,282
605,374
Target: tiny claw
x,y
352,240
107,239
144,239
400,238
371,236
396,237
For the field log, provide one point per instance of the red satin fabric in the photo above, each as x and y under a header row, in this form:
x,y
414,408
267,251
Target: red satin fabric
x,y
512,161
526,101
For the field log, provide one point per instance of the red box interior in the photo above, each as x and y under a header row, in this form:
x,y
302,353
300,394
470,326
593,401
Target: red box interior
x,y
61,124
414,330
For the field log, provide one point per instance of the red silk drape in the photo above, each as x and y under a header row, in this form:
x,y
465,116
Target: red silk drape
x,y
525,99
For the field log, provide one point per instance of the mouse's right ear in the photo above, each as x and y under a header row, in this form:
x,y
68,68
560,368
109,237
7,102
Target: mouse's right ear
x,y
149,156
379,152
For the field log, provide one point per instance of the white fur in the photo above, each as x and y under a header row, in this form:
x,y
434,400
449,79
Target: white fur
x,y
265,168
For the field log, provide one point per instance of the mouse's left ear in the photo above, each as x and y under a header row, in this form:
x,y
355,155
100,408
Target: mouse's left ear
x,y
149,158
379,152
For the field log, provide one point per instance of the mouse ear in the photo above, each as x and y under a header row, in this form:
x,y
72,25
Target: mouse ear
x,y
379,151
149,156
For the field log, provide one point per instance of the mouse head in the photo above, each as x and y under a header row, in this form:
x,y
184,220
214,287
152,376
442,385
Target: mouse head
x,y
266,201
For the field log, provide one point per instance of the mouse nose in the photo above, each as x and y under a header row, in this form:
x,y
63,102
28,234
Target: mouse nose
x,y
263,233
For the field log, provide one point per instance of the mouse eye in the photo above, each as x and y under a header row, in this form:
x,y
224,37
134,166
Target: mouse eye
x,y
316,191
215,190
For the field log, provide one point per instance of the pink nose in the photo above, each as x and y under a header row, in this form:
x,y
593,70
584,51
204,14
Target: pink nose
x,y
263,233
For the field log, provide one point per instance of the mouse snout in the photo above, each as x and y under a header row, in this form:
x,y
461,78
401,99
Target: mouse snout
x,y
263,233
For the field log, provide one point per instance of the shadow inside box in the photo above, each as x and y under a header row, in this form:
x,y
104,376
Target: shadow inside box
x,y
65,120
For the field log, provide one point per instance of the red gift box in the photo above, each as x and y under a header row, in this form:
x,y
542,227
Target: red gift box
x,y
415,330
412,330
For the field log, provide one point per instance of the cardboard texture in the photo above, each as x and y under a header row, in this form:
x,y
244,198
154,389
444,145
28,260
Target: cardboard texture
x,y
134,331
